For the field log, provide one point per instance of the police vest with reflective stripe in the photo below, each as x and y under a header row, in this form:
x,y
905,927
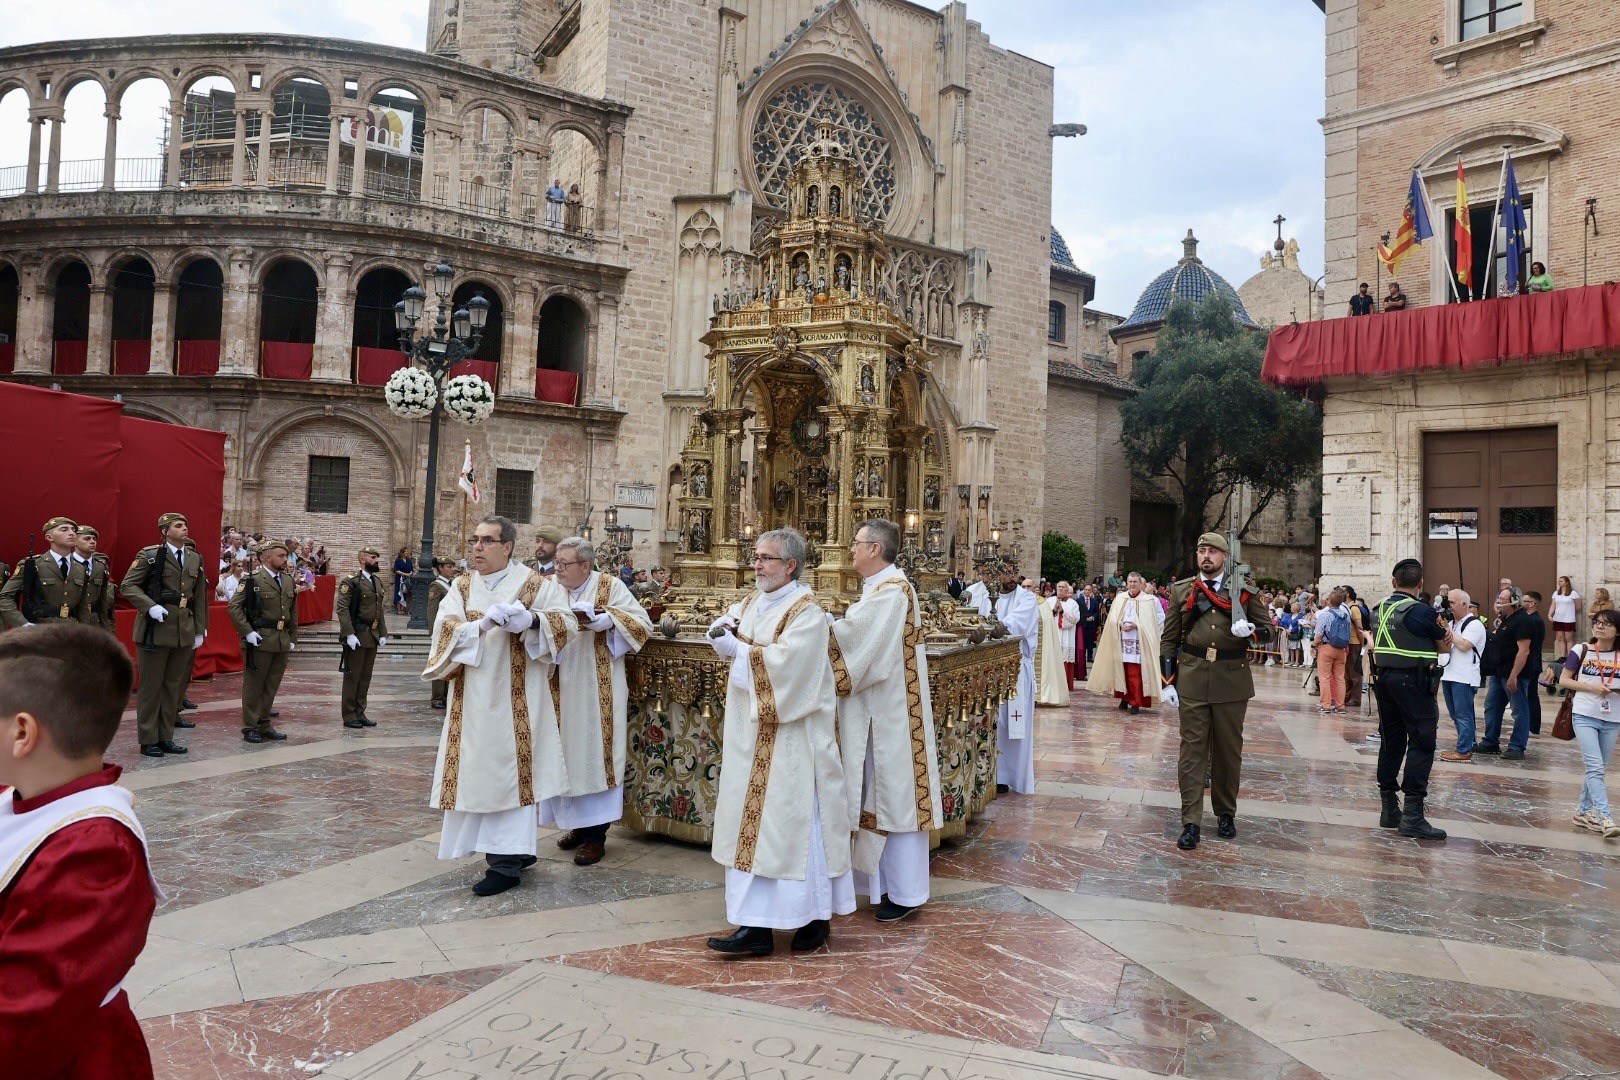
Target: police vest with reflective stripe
x,y
1394,646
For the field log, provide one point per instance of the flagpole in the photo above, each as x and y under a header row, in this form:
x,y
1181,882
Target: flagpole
x,y
1428,209
1490,252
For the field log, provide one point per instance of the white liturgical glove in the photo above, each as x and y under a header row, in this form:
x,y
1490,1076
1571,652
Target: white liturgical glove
x,y
1171,698
253,638
518,617
352,642
494,619
157,613
1242,628
196,642
601,622
381,642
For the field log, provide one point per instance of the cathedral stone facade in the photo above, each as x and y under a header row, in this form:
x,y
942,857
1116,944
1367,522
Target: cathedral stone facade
x,y
244,281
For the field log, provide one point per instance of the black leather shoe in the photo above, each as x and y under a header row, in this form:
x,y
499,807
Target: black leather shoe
x,y
494,882
1225,828
366,721
1189,837
812,935
889,911
274,713
187,703
152,750
1512,755
1123,704
746,941
353,723
275,736
435,704
182,723
1481,748
173,748
1002,789
1136,710
252,736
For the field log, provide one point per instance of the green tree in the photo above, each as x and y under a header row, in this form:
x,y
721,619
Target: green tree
x,y
1062,559
1204,421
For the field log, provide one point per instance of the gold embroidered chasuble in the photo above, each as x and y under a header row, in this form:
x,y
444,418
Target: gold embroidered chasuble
x,y
593,688
781,743
500,748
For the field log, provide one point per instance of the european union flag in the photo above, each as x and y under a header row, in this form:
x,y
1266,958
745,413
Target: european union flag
x,y
1514,224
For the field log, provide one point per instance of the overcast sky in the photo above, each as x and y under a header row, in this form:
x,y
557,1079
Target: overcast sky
x,y
1202,114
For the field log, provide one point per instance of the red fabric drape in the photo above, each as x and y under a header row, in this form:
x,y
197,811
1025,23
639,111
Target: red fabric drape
x,y
559,386
132,357
288,360
316,606
488,370
197,358
8,357
372,367
71,357
1534,327
61,454
163,468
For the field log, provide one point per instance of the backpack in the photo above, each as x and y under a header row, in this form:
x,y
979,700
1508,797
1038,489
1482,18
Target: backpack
x,y
1337,631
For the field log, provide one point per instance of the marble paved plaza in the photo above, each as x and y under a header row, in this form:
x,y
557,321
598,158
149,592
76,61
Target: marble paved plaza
x,y
310,929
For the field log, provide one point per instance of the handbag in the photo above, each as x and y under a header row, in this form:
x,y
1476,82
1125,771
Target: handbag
x,y
1564,726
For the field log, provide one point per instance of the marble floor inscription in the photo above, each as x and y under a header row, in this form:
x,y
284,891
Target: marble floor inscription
x,y
311,931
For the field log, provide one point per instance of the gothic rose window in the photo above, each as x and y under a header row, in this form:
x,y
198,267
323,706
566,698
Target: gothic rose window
x,y
787,122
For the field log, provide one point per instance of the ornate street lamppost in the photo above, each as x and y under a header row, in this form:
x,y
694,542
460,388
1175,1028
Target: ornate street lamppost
x,y
421,389
613,550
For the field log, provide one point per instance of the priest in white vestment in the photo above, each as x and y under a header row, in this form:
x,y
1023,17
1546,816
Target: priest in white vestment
x,y
980,596
1066,609
886,727
595,700
782,821
1019,610
499,630
1127,662
1050,686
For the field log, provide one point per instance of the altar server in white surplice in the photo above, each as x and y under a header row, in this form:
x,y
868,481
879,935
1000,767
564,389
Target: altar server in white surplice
x,y
499,630
782,822
1019,610
595,700
886,727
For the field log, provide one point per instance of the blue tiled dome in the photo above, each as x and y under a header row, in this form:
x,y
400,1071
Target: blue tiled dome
x,y
1060,252
1189,279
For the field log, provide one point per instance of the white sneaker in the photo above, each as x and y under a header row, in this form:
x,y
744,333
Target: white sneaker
x,y
1373,736
1608,828
1587,820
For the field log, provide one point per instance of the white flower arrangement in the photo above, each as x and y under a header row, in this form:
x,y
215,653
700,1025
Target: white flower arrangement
x,y
410,393
469,399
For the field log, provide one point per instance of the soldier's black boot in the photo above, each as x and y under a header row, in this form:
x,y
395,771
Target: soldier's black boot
x,y
1391,816
1413,823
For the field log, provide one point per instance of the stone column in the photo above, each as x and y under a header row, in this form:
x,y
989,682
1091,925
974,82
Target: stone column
x,y
429,162
98,360
357,186
334,151
53,168
239,316
610,183
452,187
517,366
601,365
33,318
334,324
265,116
725,111
36,123
177,119
239,150
109,157
163,316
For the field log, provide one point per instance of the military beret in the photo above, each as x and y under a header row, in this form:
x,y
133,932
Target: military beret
x,y
56,522
88,530
271,545
371,551
439,560
1214,540
549,533
169,519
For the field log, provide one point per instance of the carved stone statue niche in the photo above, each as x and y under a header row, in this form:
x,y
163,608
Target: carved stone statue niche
x,y
700,483
931,493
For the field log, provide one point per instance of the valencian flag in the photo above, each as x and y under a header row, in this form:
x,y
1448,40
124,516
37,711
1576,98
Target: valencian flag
x,y
467,480
1463,234
1514,224
1415,227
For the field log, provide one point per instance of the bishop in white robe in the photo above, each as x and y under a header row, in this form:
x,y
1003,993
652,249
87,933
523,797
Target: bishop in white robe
x,y
595,700
782,820
1018,609
1051,688
886,727
1127,662
500,629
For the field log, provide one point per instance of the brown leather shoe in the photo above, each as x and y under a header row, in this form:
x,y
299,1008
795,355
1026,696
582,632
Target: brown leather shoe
x,y
1452,755
589,854
569,840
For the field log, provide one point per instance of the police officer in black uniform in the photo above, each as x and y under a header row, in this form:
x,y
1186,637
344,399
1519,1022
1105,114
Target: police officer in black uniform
x,y
1407,639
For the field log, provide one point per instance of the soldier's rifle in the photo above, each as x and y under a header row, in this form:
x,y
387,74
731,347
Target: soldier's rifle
x,y
153,587
34,607
252,607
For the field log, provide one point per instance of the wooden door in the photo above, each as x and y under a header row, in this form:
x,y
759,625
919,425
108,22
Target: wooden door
x,y
1505,482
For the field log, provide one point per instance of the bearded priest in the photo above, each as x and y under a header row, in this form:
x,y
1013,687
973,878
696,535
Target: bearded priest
x,y
595,700
782,821
1019,610
886,726
499,631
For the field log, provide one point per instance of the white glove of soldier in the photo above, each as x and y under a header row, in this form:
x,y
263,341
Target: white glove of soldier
x,y
352,642
157,613
196,642
291,645
254,638
1242,628
381,642
1171,698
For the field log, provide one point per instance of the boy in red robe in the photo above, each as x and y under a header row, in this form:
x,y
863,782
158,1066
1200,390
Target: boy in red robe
x,y
76,893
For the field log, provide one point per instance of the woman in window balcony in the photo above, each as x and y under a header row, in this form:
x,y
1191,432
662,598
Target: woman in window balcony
x,y
1540,280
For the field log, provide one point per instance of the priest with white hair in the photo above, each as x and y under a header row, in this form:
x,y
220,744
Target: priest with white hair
x,y
499,630
782,821
886,726
595,700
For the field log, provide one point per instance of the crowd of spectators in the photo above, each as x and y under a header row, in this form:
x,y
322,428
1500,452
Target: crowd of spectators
x,y
238,557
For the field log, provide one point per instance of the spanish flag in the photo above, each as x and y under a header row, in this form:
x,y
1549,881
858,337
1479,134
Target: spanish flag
x,y
1463,234
1415,227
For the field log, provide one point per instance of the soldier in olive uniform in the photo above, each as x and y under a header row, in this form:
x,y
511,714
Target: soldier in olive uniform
x,y
444,572
64,591
361,603
264,610
169,590
103,593
1204,651
546,540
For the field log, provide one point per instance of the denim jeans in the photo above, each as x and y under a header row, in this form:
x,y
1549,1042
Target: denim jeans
x,y
1460,704
1497,700
1597,739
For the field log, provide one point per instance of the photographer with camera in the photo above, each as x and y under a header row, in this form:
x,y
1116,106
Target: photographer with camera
x,y
169,591
1407,640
